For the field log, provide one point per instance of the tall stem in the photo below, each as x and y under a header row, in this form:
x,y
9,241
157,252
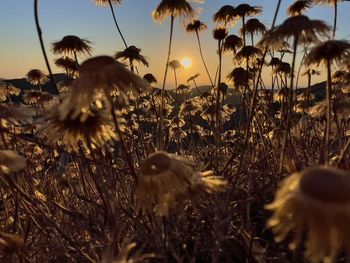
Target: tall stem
x,y
175,77
116,23
335,17
253,102
290,106
329,103
202,57
217,88
38,29
160,140
243,27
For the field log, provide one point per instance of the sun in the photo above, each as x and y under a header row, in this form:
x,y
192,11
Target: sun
x,y
186,62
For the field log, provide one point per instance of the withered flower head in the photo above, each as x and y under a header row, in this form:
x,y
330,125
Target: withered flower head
x,y
183,88
7,89
10,161
327,2
167,179
248,52
239,76
175,8
300,27
283,68
196,26
132,54
72,44
226,15
106,2
188,108
299,7
334,51
36,77
90,129
68,64
175,64
232,43
253,26
248,10
192,78
100,74
36,97
220,33
150,78
316,200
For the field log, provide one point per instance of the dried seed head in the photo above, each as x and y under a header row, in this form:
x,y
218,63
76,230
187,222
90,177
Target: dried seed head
x,y
317,199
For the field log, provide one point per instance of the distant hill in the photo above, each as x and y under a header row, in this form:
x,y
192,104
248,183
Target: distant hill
x,y
233,98
23,84
319,90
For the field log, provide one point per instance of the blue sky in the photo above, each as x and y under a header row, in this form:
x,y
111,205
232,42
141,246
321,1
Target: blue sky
x,y
20,50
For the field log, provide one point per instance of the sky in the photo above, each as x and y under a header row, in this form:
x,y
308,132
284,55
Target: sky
x,y
20,49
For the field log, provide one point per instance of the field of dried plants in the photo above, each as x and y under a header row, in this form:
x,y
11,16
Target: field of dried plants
x,y
113,167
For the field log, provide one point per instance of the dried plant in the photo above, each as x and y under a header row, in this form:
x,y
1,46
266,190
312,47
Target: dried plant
x,y
315,198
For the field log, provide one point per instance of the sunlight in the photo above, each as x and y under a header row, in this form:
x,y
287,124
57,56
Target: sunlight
x,y
186,62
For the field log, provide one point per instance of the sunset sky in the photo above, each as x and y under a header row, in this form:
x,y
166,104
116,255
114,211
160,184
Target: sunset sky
x,y
20,49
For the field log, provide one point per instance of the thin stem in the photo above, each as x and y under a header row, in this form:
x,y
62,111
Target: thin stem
x,y
38,29
122,141
329,104
290,108
175,77
116,23
243,27
160,140
335,17
202,57
252,105
217,89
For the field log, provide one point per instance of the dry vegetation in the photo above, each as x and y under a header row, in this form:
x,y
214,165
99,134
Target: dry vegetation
x,y
112,169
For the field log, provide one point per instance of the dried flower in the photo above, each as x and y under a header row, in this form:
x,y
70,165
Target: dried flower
x,y
131,54
36,77
100,74
318,199
36,97
150,78
71,45
226,14
106,2
196,26
300,27
220,33
232,43
167,179
91,129
174,8
333,51
299,7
